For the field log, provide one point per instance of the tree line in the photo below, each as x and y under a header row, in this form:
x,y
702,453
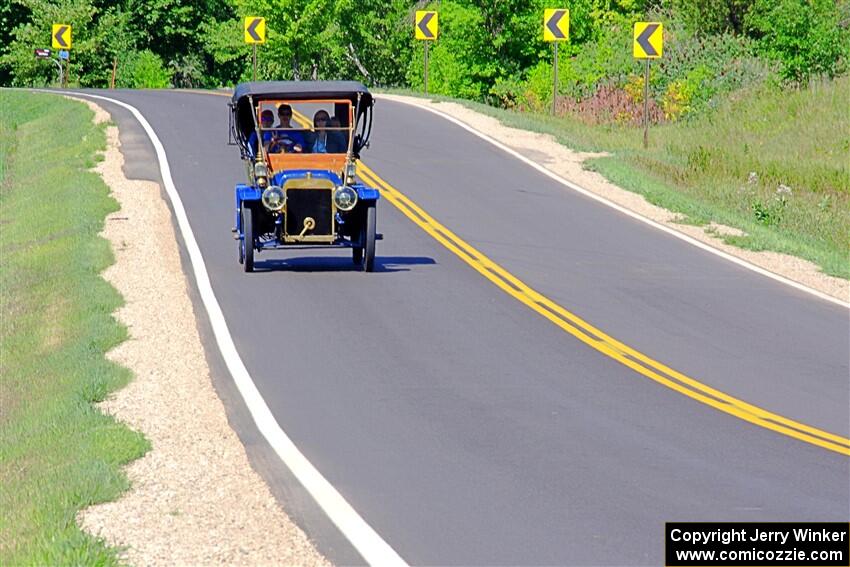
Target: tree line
x,y
488,50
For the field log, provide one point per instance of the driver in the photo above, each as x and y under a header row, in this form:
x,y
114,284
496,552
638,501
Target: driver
x,y
287,139
266,121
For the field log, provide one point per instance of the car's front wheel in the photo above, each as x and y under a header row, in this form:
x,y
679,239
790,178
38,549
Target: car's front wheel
x,y
247,242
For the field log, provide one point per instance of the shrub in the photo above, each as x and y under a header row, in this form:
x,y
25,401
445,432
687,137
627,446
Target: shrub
x,y
683,94
612,104
188,71
805,36
707,66
707,17
142,70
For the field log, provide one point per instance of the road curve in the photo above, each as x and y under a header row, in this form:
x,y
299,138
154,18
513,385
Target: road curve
x,y
467,429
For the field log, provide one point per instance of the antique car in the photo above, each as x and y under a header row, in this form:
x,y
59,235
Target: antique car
x,y
300,142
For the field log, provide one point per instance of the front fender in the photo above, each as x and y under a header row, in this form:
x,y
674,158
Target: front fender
x,y
245,193
366,193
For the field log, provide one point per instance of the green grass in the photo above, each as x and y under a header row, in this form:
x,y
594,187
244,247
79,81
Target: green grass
x,y
701,167
58,453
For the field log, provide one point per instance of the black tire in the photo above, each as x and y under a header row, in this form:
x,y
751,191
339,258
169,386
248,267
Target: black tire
x,y
369,230
248,239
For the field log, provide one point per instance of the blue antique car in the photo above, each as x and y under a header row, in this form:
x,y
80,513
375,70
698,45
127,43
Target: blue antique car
x,y
300,141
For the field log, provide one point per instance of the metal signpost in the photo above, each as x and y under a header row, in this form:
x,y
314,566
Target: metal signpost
x,y
556,28
255,32
426,28
61,39
647,44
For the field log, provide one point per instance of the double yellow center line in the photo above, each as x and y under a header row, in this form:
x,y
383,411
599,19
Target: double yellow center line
x,y
594,337
590,335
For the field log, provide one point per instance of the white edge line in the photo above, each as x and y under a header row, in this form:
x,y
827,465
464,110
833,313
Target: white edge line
x,y
634,215
360,534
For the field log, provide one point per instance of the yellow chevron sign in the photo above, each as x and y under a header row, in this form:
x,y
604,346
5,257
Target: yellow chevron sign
x,y
61,36
426,25
648,40
255,29
556,24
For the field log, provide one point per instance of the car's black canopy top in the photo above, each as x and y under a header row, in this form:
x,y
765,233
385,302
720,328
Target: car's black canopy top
x,y
304,90
246,96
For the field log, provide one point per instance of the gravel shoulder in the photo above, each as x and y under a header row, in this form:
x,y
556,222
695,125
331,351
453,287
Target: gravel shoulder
x,y
195,498
545,150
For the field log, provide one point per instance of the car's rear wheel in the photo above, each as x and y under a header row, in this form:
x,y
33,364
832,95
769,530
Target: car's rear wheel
x,y
247,242
369,229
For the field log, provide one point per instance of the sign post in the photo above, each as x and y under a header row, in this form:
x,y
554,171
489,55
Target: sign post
x,y
556,28
648,44
425,80
255,32
426,28
61,39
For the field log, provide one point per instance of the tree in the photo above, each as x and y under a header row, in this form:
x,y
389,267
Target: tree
x,y
35,32
805,36
708,17
11,16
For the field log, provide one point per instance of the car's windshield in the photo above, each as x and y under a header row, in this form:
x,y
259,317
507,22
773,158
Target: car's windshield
x,y
305,126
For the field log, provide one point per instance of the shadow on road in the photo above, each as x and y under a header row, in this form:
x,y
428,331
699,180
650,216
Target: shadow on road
x,y
383,264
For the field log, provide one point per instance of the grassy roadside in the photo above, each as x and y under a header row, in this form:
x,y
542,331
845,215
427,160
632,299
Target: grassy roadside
x,y
57,452
797,143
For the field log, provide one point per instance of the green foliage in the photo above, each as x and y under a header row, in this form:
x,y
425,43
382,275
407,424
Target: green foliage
x,y
375,39
321,39
142,70
34,32
769,213
226,51
702,67
487,51
805,36
10,15
606,60
174,31
188,71
710,17
106,31
459,63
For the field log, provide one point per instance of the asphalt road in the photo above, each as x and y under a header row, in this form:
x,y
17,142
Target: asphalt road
x,y
465,428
